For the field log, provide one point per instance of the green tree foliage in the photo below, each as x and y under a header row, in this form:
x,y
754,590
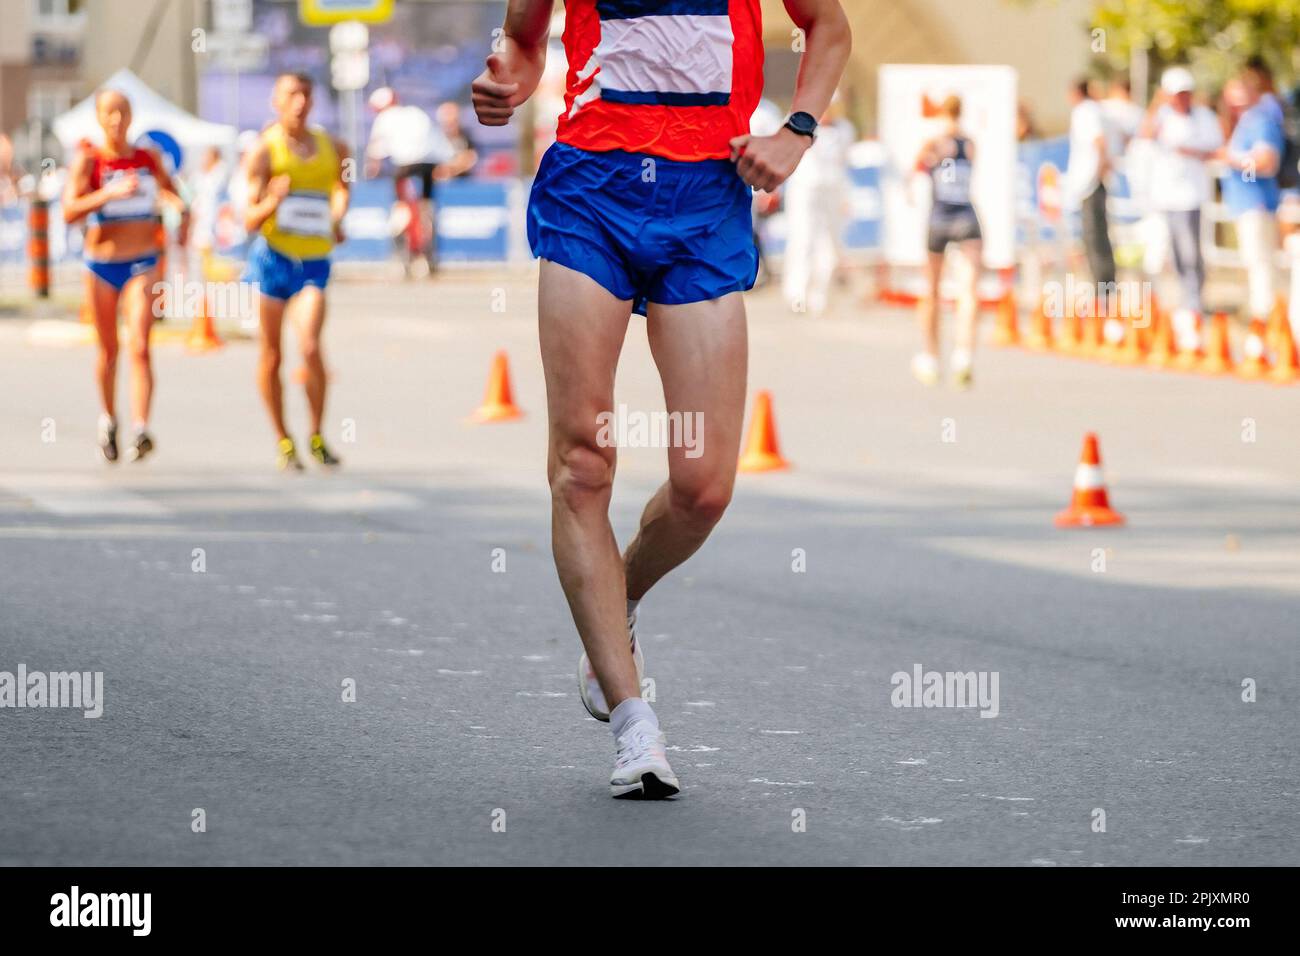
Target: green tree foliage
x,y
1214,36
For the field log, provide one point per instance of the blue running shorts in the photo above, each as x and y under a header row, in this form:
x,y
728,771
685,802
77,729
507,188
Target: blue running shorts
x,y
281,276
118,274
646,228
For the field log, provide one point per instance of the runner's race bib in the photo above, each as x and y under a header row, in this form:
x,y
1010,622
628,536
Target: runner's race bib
x,y
142,205
952,183
304,214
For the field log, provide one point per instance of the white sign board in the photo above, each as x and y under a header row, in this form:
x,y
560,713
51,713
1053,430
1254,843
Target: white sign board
x,y
232,16
350,71
244,52
907,94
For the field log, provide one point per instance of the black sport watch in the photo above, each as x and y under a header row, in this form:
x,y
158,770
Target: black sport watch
x,y
805,124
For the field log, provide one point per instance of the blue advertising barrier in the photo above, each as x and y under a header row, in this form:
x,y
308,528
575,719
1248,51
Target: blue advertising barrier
x,y
473,221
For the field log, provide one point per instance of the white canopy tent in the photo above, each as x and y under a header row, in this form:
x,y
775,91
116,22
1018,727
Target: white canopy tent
x,y
149,111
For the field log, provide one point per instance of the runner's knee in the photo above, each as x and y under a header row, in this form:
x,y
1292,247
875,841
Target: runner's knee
x,y
582,473
701,502
137,348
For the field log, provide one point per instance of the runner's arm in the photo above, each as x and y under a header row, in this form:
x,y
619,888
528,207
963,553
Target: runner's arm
x,y
167,190
341,195
927,158
828,41
765,162
515,66
79,200
168,193
264,194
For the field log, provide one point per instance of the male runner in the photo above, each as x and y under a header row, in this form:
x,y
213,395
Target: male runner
x,y
297,197
117,188
643,204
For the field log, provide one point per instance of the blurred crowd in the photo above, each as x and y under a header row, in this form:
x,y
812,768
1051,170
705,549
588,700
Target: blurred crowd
x,y
1185,150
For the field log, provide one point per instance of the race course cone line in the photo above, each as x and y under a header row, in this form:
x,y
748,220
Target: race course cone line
x,y
762,452
1090,506
498,403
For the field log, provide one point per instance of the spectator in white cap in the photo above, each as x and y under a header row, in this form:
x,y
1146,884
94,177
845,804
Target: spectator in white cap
x,y
1186,135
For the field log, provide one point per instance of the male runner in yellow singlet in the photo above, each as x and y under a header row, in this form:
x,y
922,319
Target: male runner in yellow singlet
x,y
297,199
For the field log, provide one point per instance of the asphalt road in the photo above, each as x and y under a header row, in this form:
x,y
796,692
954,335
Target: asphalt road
x,y
1119,690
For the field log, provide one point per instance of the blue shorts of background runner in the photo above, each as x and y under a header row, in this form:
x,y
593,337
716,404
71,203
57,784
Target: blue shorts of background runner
x,y
118,274
281,276
644,227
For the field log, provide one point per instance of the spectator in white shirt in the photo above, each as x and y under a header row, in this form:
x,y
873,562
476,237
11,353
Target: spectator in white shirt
x,y
1123,117
1085,178
1186,135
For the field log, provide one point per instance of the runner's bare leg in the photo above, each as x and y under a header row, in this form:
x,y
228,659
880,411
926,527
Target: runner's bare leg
x,y
271,311
582,327
103,300
927,310
702,352
307,312
139,300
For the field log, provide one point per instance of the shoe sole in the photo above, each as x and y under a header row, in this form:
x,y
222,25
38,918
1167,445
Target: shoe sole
x,y
649,787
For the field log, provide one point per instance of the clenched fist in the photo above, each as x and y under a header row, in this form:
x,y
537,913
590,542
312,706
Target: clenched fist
x,y
510,78
765,162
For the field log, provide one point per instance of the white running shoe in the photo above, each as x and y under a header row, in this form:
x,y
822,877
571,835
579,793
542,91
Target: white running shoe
x,y
593,698
641,770
925,367
963,372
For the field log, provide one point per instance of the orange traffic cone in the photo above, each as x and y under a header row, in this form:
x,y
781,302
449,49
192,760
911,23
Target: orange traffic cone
x,y
1162,351
1218,352
498,404
203,336
1254,362
1093,343
1071,340
1091,505
1128,350
1276,320
1007,330
1190,359
761,450
1286,368
1039,337
1112,340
